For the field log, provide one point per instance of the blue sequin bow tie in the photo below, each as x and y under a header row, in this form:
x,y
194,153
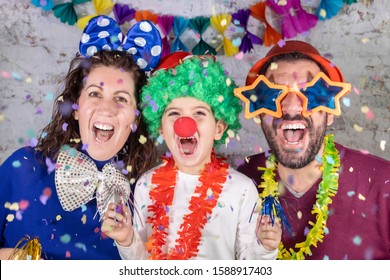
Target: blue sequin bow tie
x,y
77,179
143,40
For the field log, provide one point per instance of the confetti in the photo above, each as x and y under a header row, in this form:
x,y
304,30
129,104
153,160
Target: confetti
x,y
253,98
84,219
351,193
16,164
361,197
351,169
142,139
239,56
365,40
58,217
220,99
65,239
299,214
357,240
346,101
10,217
23,204
323,13
364,109
228,81
274,66
357,128
16,76
230,133
382,144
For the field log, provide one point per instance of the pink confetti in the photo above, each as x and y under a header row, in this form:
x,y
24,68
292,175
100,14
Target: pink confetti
x,y
23,204
47,191
5,74
370,115
67,254
355,89
239,56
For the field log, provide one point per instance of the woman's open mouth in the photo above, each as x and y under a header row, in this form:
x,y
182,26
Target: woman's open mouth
x,y
103,132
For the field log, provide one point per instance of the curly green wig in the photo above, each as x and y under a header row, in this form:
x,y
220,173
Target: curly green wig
x,y
200,77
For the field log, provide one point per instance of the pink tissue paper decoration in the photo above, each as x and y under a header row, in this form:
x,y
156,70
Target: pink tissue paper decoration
x,y
292,17
165,23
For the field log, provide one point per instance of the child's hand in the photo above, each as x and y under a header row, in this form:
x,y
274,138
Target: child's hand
x,y
118,226
269,235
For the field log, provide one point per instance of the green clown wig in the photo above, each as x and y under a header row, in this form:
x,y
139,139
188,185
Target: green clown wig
x,y
200,77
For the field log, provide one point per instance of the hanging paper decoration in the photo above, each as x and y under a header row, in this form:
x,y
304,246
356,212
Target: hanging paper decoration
x,y
146,15
200,25
180,25
349,2
241,19
102,7
165,23
329,8
271,36
293,18
66,12
220,23
289,17
123,13
46,5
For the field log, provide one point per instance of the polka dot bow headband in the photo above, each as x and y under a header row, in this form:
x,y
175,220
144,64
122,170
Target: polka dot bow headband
x,y
143,40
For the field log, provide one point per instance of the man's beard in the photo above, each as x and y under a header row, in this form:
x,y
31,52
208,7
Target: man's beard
x,y
290,158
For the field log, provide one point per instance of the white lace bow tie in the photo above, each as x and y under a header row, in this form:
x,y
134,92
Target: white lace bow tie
x,y
77,178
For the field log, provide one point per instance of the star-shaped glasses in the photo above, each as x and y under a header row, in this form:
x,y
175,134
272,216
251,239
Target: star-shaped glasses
x,y
264,96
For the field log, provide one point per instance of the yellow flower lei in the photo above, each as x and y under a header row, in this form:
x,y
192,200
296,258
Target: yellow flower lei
x,y
327,188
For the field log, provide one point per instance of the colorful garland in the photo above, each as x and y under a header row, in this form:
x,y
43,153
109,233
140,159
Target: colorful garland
x,y
201,206
327,188
290,15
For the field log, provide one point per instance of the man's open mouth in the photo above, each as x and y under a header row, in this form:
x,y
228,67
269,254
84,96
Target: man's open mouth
x,y
293,133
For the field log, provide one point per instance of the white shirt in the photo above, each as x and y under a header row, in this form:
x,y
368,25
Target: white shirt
x,y
228,234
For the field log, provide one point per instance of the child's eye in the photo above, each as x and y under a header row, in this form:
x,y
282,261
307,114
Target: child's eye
x,y
200,113
172,113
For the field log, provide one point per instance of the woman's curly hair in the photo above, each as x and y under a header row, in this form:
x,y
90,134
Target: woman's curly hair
x,y
140,157
200,77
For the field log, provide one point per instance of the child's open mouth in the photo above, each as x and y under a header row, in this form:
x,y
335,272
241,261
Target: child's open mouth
x,y
187,145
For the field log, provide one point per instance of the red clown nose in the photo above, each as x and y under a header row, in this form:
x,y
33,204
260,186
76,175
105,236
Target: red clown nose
x,y
185,127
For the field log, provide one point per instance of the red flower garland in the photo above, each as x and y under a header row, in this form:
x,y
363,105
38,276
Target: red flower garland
x,y
201,206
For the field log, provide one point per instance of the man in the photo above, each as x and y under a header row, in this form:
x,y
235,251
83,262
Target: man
x,y
334,201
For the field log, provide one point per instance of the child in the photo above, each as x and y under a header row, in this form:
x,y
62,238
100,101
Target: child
x,y
193,205
49,190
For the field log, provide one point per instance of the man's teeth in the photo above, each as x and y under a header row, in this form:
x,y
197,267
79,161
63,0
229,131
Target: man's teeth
x,y
104,126
293,126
